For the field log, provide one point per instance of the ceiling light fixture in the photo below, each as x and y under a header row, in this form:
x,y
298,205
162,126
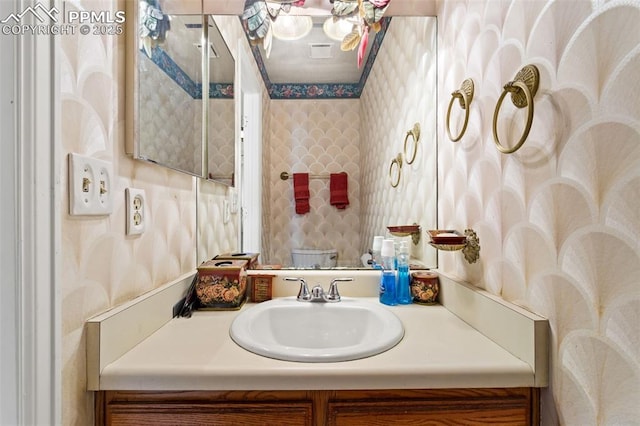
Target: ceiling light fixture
x,y
291,27
337,29
260,18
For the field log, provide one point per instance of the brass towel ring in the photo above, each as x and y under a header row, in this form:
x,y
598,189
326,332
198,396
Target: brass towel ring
x,y
465,95
523,89
395,177
415,134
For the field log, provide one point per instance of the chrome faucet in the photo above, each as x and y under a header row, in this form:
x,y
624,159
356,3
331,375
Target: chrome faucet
x,y
317,294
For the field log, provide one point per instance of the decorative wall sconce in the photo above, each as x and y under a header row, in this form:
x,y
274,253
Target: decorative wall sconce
x,y
395,170
465,96
523,89
412,135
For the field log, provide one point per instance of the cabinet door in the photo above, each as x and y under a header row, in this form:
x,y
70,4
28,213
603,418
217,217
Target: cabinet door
x,y
428,412
217,414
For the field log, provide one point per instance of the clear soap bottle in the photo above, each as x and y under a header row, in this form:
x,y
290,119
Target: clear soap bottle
x,y
375,252
388,282
403,292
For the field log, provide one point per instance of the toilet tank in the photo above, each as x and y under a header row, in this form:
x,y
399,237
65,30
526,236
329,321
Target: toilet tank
x,y
314,258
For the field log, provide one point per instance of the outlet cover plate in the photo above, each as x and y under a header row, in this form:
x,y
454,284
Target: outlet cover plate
x,y
90,186
137,211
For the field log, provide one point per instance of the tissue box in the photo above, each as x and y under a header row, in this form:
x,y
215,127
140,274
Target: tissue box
x,y
222,284
251,258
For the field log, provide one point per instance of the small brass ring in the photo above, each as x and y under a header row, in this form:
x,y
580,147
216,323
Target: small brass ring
x,y
529,99
395,180
466,107
415,133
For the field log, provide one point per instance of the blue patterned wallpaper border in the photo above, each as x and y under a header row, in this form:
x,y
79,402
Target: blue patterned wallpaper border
x,y
321,91
375,47
314,91
182,79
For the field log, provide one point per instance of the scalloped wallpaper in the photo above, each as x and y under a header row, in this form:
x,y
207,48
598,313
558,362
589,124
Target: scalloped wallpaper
x,y
157,88
559,220
317,137
101,266
401,91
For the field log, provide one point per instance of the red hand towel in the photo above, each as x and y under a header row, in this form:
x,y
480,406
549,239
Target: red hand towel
x,y
301,192
338,189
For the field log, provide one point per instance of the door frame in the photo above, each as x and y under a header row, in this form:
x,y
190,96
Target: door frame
x,y
30,225
250,118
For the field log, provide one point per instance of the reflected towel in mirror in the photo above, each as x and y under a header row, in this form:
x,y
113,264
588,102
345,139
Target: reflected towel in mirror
x,y
338,189
301,192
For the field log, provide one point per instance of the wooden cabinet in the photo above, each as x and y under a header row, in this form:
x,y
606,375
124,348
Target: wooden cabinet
x,y
508,406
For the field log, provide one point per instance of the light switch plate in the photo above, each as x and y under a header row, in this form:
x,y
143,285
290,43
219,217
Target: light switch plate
x,y
90,186
137,211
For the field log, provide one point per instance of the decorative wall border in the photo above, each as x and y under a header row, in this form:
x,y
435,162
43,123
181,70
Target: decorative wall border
x,y
321,90
182,79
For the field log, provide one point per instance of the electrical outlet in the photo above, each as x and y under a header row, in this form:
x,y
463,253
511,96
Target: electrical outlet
x,y
90,191
137,214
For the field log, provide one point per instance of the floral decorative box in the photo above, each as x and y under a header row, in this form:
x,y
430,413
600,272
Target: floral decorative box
x,y
222,284
251,258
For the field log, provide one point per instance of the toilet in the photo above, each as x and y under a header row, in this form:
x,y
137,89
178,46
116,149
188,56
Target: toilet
x,y
314,258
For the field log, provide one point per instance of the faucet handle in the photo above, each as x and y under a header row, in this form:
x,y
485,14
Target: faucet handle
x,y
333,295
303,293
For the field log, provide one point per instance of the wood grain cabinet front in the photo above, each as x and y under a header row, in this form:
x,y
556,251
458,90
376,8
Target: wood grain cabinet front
x,y
508,406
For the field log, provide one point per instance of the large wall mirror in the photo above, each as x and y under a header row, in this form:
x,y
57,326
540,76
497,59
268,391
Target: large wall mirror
x,y
174,62
315,121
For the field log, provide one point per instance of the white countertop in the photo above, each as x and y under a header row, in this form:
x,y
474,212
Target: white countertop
x,y
438,350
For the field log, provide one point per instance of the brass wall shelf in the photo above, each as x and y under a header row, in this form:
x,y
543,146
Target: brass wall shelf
x,y
405,231
470,248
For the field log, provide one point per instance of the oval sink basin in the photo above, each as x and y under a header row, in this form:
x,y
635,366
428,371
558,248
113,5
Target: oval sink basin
x,y
290,330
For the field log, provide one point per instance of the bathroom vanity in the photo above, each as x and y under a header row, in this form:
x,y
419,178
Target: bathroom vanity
x,y
474,359
512,406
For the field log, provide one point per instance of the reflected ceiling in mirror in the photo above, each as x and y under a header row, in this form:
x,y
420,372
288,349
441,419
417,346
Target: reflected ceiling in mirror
x,y
312,64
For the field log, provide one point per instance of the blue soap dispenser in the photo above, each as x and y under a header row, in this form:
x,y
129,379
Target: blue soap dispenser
x,y
403,291
388,283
